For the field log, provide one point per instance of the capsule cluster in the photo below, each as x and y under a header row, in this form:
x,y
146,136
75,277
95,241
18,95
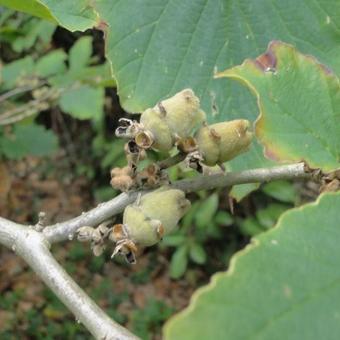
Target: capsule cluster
x,y
177,122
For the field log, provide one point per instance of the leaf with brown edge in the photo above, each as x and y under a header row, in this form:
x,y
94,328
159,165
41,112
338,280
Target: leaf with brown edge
x,y
299,103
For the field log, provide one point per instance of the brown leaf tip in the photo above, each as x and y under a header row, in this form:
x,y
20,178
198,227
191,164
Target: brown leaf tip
x,y
267,61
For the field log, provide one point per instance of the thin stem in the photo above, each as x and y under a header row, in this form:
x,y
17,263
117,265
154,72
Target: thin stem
x,y
17,117
19,90
171,161
260,175
33,247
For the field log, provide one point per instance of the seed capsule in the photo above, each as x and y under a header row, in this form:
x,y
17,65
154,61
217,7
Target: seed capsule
x,y
222,142
156,132
147,221
181,112
169,121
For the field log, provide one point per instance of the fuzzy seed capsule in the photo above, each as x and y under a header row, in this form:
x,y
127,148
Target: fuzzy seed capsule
x,y
161,209
169,121
156,134
147,221
222,142
181,112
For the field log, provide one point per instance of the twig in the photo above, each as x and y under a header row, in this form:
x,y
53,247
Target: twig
x,y
61,231
26,110
171,161
17,117
19,90
261,175
33,247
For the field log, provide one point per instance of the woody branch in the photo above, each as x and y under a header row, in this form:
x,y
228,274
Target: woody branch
x,y
33,245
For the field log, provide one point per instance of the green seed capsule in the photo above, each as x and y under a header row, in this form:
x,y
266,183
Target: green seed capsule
x,y
156,214
170,120
157,133
222,142
181,112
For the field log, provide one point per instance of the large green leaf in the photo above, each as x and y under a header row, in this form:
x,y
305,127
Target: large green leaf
x,y
285,285
76,15
299,102
158,47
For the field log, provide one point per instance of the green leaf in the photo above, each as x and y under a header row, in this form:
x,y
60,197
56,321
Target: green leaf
x,y
80,53
179,262
283,191
33,7
12,71
174,240
157,48
76,15
269,215
197,253
84,102
223,218
299,100
51,63
32,33
250,226
285,285
206,212
28,140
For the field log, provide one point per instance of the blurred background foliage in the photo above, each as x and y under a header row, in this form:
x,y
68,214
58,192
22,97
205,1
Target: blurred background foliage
x,y
58,112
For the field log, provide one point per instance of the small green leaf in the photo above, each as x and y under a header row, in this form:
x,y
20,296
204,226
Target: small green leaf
x,y
238,192
285,285
37,31
223,218
283,191
84,102
51,63
250,226
179,262
28,140
207,210
188,218
80,53
173,240
268,216
12,71
197,253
